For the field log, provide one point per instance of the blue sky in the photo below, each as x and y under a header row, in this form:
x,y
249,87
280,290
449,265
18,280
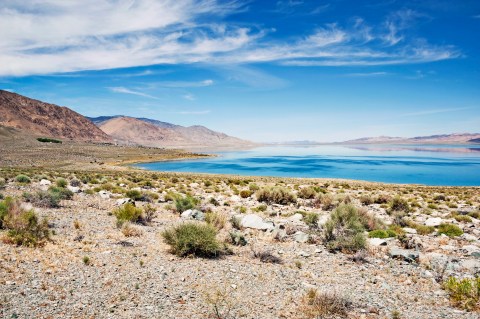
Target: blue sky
x,y
259,70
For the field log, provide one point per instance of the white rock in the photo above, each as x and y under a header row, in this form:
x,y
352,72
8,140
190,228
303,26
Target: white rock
x,y
73,189
433,221
300,237
123,201
469,237
377,242
45,182
409,230
104,194
296,218
255,222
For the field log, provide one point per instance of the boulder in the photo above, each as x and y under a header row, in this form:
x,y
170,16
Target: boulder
x,y
300,237
255,222
123,201
193,214
104,194
73,189
409,230
45,182
377,242
296,218
433,221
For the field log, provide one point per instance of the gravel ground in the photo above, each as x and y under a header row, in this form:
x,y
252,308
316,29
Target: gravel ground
x,y
137,277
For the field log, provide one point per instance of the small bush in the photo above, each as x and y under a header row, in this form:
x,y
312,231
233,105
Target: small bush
x,y
149,213
325,201
398,204
380,233
127,213
135,194
48,140
185,203
193,239
43,199
24,227
382,199
23,179
463,218
62,193
307,193
311,219
276,195
450,230
464,293
366,200
246,193
237,239
317,305
3,182
235,221
475,214
217,220
75,183
61,182
344,230
128,230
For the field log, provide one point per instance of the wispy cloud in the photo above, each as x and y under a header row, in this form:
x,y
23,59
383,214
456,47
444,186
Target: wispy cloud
x,y
189,97
121,89
367,74
184,84
435,111
49,36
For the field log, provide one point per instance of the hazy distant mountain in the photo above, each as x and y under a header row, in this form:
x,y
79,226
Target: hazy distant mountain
x,y
457,138
44,119
149,132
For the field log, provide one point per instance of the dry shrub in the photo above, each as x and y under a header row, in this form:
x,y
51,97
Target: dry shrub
x,y
276,195
324,305
131,231
217,220
266,256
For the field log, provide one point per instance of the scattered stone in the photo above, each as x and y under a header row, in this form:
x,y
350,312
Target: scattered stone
x,y
301,237
255,222
377,242
433,221
404,254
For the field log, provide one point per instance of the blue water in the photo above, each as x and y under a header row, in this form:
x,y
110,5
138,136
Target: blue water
x,y
453,165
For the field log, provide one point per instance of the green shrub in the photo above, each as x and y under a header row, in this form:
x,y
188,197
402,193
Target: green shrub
x,y
382,199
246,193
185,203
463,218
237,239
366,200
48,140
43,199
381,233
3,182
276,195
311,219
134,194
398,204
23,227
450,230
23,179
325,201
62,193
127,213
344,230
61,182
253,187
464,293
193,239
307,193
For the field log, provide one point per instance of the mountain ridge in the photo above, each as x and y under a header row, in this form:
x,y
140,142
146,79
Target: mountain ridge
x,y
45,119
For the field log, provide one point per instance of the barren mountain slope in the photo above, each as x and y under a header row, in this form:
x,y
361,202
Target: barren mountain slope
x,y
39,118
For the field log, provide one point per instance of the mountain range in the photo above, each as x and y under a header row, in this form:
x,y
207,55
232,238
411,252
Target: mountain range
x,y
23,115
456,138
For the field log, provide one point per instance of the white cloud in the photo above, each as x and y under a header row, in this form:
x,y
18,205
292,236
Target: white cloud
x,y
183,84
121,89
55,36
367,74
435,111
189,97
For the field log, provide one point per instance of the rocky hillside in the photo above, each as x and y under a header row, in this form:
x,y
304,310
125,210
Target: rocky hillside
x,y
44,119
149,132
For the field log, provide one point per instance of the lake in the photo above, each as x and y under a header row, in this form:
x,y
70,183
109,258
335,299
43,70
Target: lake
x,y
453,165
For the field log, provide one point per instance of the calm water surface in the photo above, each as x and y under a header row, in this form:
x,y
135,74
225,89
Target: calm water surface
x,y
457,165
